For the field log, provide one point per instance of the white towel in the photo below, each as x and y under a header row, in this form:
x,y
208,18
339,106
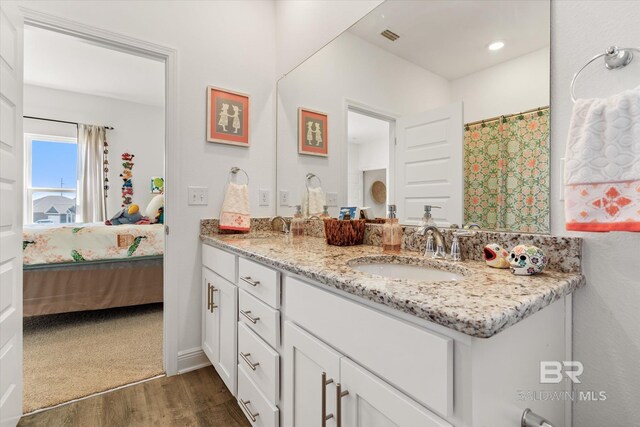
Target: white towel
x,y
602,164
315,201
235,208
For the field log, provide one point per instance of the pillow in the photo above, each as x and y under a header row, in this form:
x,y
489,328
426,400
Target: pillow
x,y
154,206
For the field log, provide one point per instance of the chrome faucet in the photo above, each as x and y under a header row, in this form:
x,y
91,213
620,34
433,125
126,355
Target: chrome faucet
x,y
285,225
440,251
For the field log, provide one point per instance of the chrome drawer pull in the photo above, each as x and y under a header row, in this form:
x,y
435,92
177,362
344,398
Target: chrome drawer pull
x,y
325,383
245,357
244,404
248,316
249,281
339,395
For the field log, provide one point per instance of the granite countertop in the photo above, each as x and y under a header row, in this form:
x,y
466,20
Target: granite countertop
x,y
484,302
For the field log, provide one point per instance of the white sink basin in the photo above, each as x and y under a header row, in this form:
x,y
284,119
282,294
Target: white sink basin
x,y
408,272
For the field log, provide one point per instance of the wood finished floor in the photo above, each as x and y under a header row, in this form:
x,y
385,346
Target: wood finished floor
x,y
197,398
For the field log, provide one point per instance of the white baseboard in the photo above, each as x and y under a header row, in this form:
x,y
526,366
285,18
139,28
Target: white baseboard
x,y
192,359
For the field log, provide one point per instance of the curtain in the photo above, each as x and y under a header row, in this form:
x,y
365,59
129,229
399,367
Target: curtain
x,y
91,195
506,168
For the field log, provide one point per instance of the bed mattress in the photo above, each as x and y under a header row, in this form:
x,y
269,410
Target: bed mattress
x,y
80,243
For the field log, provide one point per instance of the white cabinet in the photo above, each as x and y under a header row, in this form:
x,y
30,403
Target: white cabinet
x,y
321,384
219,326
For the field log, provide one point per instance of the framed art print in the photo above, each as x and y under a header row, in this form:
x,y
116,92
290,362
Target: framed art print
x,y
312,133
227,117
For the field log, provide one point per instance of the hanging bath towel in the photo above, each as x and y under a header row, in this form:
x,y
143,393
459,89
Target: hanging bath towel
x,y
235,208
602,164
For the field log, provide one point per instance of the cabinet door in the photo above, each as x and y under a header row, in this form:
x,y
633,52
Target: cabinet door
x,y
312,370
367,401
219,340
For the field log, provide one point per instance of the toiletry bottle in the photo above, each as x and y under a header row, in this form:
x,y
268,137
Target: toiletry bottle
x,y
325,212
391,232
297,223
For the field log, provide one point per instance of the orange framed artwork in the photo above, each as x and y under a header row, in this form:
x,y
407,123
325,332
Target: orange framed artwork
x,y
312,133
227,117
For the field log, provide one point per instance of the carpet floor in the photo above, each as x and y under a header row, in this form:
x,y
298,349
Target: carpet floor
x,y
72,355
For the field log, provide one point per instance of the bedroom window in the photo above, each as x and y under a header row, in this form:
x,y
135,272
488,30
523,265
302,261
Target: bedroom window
x,y
51,179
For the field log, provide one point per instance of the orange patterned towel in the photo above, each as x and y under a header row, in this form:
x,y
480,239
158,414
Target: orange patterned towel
x,y
235,208
602,164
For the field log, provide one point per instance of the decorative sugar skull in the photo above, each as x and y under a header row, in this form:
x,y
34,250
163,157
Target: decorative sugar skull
x,y
496,256
527,260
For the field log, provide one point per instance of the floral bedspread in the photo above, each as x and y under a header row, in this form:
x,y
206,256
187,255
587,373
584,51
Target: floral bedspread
x,y
90,242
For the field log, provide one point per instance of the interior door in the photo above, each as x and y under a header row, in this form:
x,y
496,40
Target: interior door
x,y
429,165
11,149
370,402
311,369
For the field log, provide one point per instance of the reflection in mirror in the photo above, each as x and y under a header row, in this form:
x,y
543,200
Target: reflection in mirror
x,y
440,103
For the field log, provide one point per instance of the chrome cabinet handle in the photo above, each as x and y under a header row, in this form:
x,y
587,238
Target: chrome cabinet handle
x,y
248,280
248,316
339,395
245,357
325,383
243,404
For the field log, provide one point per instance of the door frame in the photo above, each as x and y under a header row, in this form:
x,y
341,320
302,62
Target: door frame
x,y
376,113
169,55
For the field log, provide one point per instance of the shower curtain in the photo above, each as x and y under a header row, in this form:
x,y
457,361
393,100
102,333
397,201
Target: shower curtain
x,y
506,169
91,201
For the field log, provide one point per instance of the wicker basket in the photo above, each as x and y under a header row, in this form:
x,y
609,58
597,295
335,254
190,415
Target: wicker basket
x,y
344,233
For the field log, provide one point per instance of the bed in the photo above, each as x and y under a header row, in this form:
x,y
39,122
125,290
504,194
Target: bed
x,y
91,266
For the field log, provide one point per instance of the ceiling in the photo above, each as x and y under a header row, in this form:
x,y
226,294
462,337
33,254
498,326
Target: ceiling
x,y
59,61
450,38
364,129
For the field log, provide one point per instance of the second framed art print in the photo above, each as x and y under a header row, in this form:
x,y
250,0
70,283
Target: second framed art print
x,y
313,132
227,116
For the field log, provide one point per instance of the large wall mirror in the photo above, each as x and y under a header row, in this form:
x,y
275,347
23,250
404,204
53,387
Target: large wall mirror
x,y
442,103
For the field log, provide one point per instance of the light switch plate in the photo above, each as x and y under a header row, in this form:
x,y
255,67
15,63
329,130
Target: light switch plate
x,y
263,197
198,196
332,199
284,197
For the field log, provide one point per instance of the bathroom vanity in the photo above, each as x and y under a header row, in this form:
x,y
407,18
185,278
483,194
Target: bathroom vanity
x,y
302,337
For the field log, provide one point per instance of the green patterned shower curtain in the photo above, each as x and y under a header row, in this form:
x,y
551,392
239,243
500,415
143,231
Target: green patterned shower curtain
x,y
506,169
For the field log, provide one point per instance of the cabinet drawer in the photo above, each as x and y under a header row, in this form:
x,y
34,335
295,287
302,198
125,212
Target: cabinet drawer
x,y
221,262
414,360
262,319
254,404
260,281
261,362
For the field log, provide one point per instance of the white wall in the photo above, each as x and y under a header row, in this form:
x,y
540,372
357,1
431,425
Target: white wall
x,y
230,44
304,26
139,129
510,87
606,323
347,69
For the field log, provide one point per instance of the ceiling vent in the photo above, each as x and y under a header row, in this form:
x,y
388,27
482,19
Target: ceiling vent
x,y
390,35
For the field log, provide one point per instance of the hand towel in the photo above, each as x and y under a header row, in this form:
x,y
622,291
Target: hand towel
x,y
602,164
235,208
315,201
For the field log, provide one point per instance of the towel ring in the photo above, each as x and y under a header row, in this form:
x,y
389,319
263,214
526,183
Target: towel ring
x,y
310,176
614,59
234,171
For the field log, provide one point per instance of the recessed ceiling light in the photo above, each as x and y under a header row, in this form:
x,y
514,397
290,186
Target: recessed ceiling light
x,y
497,45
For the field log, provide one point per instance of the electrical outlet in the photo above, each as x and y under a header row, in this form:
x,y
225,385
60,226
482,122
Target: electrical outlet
x,y
198,195
263,197
332,199
284,197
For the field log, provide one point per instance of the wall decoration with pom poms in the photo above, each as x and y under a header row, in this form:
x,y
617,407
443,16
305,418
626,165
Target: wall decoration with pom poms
x,y
126,175
105,167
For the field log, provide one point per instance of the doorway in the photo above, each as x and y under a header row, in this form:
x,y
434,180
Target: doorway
x,y
370,138
93,293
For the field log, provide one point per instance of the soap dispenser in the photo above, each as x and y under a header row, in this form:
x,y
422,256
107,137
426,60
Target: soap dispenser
x,y
427,220
391,232
297,223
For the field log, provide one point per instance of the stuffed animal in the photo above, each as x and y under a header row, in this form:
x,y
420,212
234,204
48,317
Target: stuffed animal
x,y
155,209
128,215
